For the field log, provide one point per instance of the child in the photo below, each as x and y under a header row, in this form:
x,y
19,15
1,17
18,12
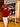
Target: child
x,y
5,13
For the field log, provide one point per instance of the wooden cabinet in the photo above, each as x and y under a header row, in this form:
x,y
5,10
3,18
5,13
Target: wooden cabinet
x,y
1,16
1,3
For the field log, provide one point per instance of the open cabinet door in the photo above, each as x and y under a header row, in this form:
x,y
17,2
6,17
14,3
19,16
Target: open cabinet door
x,y
18,11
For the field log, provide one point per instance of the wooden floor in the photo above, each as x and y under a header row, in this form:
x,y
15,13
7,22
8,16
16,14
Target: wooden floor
x,y
10,25
17,24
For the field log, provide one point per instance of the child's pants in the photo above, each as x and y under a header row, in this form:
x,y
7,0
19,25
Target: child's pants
x,y
5,20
